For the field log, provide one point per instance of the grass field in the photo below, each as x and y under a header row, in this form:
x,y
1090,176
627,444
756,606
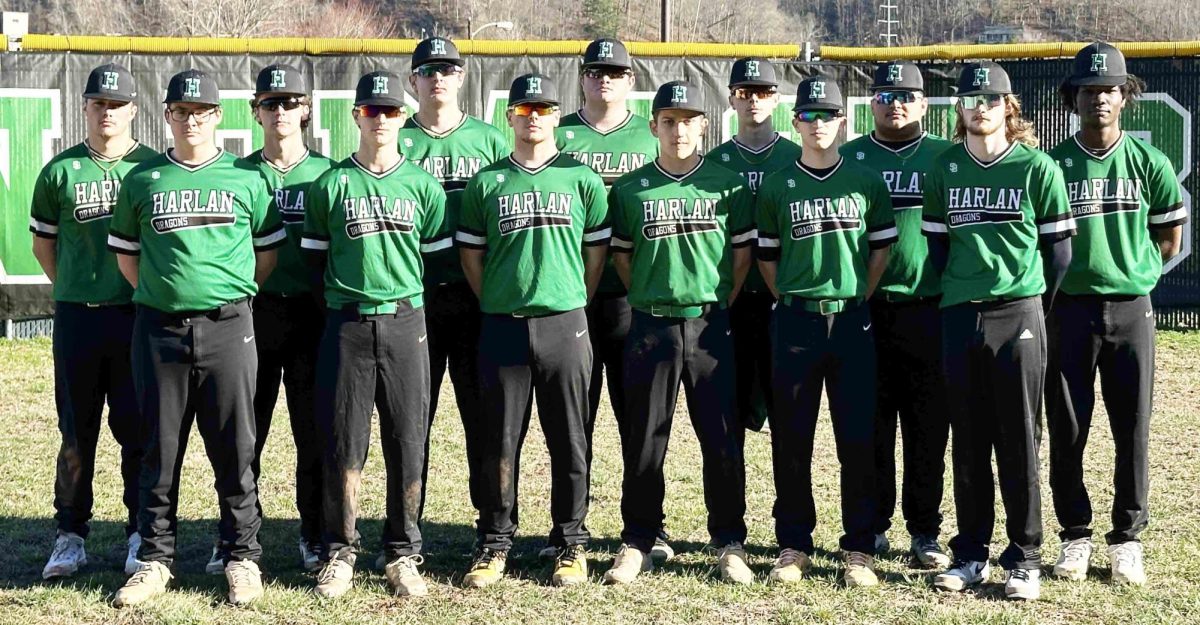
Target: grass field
x,y
684,591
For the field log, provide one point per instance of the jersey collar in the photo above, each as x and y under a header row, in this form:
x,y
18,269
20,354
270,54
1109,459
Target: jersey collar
x,y
284,170
1011,146
537,170
628,117
110,159
911,144
385,174
1100,156
745,148
827,176
439,135
198,167
680,177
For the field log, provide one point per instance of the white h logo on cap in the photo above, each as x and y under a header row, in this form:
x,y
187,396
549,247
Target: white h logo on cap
x,y
1099,62
894,73
278,79
379,85
437,46
981,76
606,50
191,87
109,81
534,85
752,69
816,91
679,94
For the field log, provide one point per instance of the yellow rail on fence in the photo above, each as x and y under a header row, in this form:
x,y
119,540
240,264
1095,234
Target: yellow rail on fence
x,y
300,45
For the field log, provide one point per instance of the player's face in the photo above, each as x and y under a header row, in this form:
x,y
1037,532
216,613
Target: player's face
x,y
606,84
894,110
679,132
821,133
437,82
754,105
108,118
1099,106
379,125
984,118
533,123
282,116
193,124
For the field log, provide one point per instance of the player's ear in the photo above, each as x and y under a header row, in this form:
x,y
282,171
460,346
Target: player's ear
x,y
133,110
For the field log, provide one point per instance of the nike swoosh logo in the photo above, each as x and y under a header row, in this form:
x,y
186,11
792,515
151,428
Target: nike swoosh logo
x,y
1149,313
866,327
423,337
247,339
581,333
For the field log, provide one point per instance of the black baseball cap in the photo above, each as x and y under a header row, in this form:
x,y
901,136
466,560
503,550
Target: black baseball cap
x,y
1099,64
380,88
111,82
606,53
436,50
679,95
280,79
897,76
193,87
533,88
983,78
818,94
752,72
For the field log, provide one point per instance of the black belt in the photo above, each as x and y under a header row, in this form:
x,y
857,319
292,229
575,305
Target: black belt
x,y
220,312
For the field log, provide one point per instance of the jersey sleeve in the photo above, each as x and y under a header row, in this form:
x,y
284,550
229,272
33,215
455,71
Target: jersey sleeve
x,y
742,232
1051,208
767,224
44,209
124,230
435,228
316,216
472,225
266,226
622,239
597,230
881,219
1165,199
933,211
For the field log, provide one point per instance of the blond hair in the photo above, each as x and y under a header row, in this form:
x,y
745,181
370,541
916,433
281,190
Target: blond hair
x,y
1016,128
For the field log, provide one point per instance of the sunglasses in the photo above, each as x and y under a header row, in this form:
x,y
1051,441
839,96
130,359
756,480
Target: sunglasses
x,y
596,73
988,100
809,117
429,70
376,110
274,104
886,98
529,108
761,93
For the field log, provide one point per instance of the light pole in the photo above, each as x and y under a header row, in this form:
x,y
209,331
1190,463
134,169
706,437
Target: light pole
x,y
501,25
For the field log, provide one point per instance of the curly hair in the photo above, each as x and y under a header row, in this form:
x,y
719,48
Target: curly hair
x,y
1016,128
1132,90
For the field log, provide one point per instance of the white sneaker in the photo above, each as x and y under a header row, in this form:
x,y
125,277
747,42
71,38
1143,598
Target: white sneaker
x,y
860,569
1126,559
661,550
245,581
216,564
629,563
404,577
148,581
335,578
961,575
132,564
67,557
790,567
310,555
1023,584
731,559
1073,558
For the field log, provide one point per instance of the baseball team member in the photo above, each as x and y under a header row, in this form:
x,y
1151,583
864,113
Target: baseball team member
x,y
288,316
683,229
1129,210
606,136
906,318
824,229
195,236
993,206
369,220
533,234
452,146
755,151
69,216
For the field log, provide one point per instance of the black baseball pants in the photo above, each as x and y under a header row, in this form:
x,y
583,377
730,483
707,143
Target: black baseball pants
x,y
197,366
836,351
519,357
92,367
365,362
910,389
1114,335
608,325
994,354
751,319
287,331
660,353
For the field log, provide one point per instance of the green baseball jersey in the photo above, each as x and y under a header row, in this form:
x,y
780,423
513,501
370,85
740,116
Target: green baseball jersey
x,y
681,231
288,189
821,226
452,157
195,229
612,154
73,201
533,225
755,166
909,272
374,227
993,215
1117,197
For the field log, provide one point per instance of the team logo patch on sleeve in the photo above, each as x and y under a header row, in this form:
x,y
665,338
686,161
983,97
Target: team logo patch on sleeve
x,y
374,214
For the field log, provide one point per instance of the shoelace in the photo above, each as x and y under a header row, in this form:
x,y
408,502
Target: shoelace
x,y
408,564
64,547
963,566
1075,551
1019,574
568,555
329,571
1124,557
486,557
856,558
140,577
787,557
240,573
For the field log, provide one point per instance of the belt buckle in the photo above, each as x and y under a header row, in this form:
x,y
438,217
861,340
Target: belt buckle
x,y
92,305
829,306
656,311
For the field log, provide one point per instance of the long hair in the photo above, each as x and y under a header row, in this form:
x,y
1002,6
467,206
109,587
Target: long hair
x,y
1131,91
1016,128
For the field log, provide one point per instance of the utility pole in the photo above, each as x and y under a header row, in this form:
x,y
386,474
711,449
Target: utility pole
x,y
888,35
665,23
